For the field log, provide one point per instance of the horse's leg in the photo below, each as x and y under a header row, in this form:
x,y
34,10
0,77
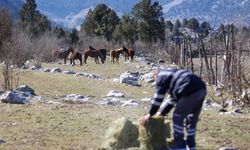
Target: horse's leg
x,y
117,59
132,57
85,59
80,59
65,60
97,60
126,57
102,58
111,60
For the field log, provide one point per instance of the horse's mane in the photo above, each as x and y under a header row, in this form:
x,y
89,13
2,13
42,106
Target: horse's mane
x,y
91,48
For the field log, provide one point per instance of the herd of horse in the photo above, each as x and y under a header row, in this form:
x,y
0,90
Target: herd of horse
x,y
97,54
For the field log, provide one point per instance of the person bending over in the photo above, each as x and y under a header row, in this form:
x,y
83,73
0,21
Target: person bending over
x,y
186,93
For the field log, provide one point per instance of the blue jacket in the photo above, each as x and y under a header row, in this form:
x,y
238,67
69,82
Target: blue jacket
x,y
177,83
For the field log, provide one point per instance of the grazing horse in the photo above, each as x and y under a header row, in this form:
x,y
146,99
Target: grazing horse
x,y
63,54
115,54
95,54
129,53
75,55
103,51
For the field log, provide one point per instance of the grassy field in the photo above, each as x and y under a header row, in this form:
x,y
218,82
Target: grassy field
x,y
44,126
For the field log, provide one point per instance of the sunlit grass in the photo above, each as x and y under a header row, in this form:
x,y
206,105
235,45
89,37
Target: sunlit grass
x,y
83,126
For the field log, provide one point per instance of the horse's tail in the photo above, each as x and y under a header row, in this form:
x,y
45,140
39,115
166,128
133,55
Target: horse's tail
x,y
104,53
99,53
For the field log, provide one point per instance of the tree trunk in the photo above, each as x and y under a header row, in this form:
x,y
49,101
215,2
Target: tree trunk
x,y
211,65
208,74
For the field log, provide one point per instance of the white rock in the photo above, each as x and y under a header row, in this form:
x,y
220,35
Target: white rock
x,y
56,70
75,98
114,93
69,72
116,80
146,99
14,97
53,102
228,148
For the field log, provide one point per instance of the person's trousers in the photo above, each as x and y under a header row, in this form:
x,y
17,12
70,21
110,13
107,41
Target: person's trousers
x,y
185,116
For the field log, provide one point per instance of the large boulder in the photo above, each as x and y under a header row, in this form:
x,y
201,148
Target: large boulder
x,y
130,78
122,134
26,89
147,77
14,97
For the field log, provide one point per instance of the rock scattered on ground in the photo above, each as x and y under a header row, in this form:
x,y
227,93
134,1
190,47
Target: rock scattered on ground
x,y
114,93
21,95
75,98
58,70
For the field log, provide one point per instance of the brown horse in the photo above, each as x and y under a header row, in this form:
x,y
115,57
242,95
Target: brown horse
x,y
103,51
95,54
129,53
115,54
75,55
62,53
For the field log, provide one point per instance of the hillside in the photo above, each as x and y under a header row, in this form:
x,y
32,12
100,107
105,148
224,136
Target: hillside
x,y
71,13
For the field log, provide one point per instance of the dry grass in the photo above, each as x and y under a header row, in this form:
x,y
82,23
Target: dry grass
x,y
83,126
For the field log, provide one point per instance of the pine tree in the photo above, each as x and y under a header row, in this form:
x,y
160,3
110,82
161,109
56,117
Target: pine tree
x,y
31,20
193,24
169,25
101,21
205,28
73,37
59,32
149,16
126,30
176,29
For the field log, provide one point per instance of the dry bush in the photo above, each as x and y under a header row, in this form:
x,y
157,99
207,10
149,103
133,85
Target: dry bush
x,y
96,42
17,49
10,78
21,47
44,45
5,30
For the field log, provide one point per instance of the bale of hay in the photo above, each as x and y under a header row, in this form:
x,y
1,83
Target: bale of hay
x,y
153,135
122,134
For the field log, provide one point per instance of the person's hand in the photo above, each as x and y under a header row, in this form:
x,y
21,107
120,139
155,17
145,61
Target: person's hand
x,y
144,119
159,114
